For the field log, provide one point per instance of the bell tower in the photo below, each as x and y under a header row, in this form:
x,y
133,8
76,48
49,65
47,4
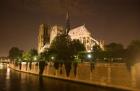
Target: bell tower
x,y
43,36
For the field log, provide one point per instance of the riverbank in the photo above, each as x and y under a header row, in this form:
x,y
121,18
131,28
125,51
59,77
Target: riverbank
x,y
55,75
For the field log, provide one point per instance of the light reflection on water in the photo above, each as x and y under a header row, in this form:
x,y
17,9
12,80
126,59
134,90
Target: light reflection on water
x,y
1,66
8,73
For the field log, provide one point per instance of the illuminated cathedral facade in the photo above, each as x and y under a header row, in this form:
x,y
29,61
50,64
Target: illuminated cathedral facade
x,y
47,34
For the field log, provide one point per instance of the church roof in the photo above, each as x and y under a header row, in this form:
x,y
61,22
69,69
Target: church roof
x,y
82,30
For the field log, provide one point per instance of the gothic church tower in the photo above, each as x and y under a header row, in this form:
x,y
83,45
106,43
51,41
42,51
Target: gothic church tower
x,y
67,24
43,36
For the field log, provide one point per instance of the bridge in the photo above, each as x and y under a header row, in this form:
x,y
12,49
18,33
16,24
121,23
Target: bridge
x,y
4,60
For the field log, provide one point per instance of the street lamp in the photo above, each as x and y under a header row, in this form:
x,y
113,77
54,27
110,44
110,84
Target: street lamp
x,y
52,57
35,58
89,56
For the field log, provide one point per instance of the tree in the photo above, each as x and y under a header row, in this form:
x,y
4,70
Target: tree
x,y
26,56
114,50
133,52
77,46
61,47
64,50
33,53
15,53
97,52
29,56
77,56
77,49
47,55
82,55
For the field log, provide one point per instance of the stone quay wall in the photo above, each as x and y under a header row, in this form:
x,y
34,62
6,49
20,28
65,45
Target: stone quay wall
x,y
106,74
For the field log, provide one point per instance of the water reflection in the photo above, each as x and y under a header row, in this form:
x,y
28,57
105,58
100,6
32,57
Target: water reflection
x,y
41,83
8,73
1,66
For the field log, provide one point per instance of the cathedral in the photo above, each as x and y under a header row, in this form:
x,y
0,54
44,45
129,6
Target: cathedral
x,y
47,34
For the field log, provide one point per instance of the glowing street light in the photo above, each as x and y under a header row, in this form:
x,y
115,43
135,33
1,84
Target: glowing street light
x,y
52,58
35,58
89,56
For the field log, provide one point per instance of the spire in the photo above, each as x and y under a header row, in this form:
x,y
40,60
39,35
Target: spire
x,y
67,26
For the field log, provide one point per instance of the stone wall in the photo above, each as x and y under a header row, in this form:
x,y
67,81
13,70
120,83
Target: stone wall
x,y
103,73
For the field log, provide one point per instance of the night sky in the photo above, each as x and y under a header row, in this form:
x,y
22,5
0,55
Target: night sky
x,y
108,20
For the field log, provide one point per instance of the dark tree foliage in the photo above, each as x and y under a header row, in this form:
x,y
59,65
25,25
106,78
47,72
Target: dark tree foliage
x,y
64,50
33,52
114,50
15,53
97,52
82,55
29,57
133,52
77,47
47,55
61,47
111,51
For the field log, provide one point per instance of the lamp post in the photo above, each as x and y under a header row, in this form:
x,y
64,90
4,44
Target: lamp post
x,y
90,58
35,58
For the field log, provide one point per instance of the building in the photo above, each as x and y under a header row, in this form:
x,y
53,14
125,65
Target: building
x,y
48,33
82,33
